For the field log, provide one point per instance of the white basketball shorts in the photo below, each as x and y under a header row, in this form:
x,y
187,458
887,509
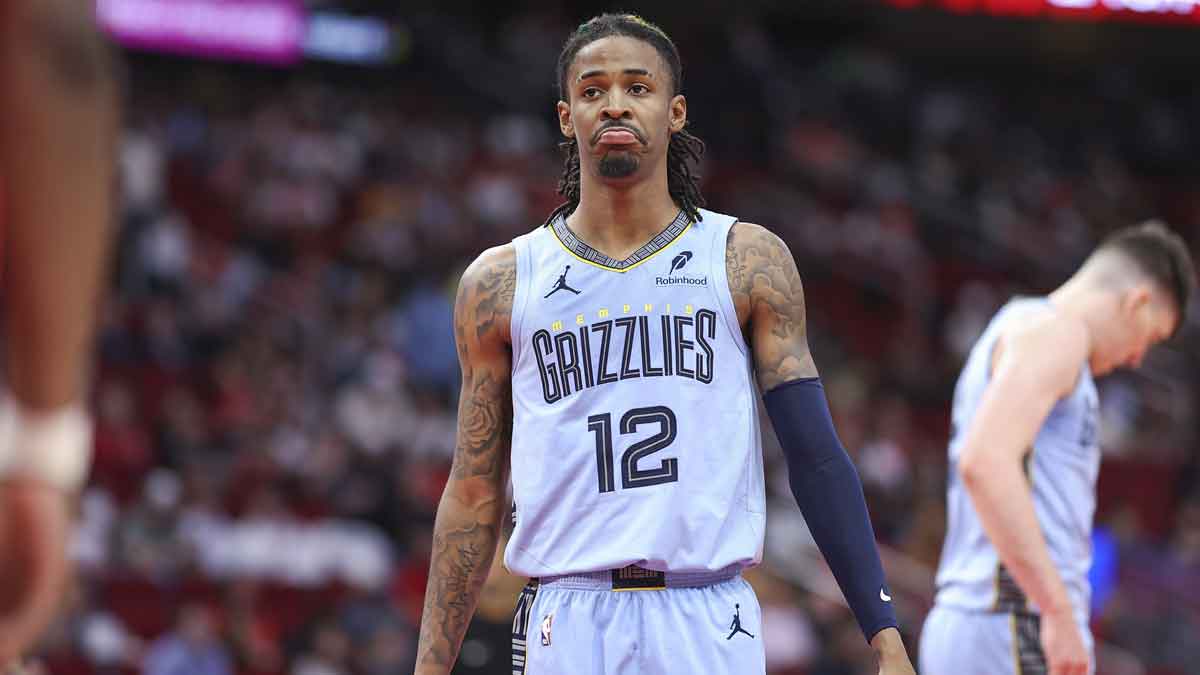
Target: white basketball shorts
x,y
639,622
957,641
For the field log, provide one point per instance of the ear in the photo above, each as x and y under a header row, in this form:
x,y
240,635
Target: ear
x,y
678,119
1137,297
564,119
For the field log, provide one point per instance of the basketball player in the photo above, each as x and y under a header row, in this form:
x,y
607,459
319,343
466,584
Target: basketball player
x,y
57,137
1013,592
630,405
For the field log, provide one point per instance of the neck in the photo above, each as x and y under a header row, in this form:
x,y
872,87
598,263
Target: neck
x,y
617,219
1082,301
1079,299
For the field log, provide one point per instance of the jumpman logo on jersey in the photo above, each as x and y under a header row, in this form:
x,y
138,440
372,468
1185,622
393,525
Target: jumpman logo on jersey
x,y
736,626
561,284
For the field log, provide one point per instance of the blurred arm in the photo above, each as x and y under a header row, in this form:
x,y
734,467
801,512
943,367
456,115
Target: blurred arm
x,y
1034,367
58,118
469,515
58,125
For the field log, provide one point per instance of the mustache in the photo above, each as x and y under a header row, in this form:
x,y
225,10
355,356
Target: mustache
x,y
618,125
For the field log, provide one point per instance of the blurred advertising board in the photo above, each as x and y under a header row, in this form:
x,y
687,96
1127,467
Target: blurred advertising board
x,y
267,31
270,31
352,39
1165,11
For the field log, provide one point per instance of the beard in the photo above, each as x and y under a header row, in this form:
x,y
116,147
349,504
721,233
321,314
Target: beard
x,y
618,165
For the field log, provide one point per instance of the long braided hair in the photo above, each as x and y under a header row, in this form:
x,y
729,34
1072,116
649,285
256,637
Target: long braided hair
x,y
684,149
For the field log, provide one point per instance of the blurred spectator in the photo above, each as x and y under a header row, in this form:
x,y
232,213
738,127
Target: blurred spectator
x,y
789,638
254,636
329,653
123,453
192,648
149,544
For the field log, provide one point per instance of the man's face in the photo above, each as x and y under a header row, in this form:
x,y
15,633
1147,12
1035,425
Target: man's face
x,y
620,110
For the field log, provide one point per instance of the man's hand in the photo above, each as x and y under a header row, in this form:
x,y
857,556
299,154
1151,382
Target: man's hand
x,y
34,527
1062,644
889,650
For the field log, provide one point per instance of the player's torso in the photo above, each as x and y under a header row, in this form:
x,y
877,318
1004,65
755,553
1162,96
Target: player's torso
x,y
1062,469
635,438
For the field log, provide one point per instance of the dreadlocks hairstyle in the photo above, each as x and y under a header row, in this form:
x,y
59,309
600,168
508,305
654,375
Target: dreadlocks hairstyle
x,y
683,150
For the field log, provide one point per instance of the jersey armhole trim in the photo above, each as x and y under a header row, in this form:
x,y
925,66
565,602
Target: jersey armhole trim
x,y
720,287
522,249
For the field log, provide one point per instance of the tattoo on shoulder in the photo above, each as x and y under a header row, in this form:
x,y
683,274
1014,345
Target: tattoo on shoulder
x,y
769,298
735,269
485,295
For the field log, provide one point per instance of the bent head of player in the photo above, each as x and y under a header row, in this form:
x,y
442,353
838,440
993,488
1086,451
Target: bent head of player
x,y
1145,276
619,79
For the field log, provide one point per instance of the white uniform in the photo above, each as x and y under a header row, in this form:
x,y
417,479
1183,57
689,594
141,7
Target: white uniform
x,y
979,609
635,443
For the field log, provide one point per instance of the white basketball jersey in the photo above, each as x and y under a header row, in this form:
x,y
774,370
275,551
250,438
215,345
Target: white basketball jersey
x,y
635,436
1062,467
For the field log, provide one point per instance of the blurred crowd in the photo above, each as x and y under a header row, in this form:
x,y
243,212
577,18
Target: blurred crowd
x,y
277,374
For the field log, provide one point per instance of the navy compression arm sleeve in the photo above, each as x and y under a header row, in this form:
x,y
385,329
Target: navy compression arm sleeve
x,y
830,496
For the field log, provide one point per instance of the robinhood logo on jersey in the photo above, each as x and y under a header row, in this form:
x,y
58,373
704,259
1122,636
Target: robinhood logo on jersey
x,y
681,279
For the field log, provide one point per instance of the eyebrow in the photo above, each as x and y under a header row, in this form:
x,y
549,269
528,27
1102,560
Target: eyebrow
x,y
628,71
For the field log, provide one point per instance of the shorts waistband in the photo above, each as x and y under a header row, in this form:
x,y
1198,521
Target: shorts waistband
x,y
635,578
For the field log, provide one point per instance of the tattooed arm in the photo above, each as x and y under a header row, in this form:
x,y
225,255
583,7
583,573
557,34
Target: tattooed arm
x,y
770,304
469,515
769,299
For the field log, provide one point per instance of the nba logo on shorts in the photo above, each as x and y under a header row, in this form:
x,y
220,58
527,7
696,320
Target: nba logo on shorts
x,y
546,629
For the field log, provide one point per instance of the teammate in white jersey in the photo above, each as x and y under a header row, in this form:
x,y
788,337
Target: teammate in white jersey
x,y
1013,595
58,128
612,358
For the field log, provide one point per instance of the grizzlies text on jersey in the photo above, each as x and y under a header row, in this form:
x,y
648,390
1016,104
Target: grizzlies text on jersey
x,y
635,432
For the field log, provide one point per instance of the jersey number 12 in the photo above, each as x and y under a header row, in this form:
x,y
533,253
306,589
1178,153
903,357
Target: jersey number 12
x,y
631,476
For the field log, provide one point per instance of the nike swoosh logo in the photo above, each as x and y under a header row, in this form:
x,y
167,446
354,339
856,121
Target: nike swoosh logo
x,y
884,596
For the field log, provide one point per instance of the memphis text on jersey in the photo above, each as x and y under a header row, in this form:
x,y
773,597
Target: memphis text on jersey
x,y
609,349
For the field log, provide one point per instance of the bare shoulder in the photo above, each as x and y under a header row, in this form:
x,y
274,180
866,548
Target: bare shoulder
x,y
756,259
485,296
769,299
1063,336
496,265
1048,346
